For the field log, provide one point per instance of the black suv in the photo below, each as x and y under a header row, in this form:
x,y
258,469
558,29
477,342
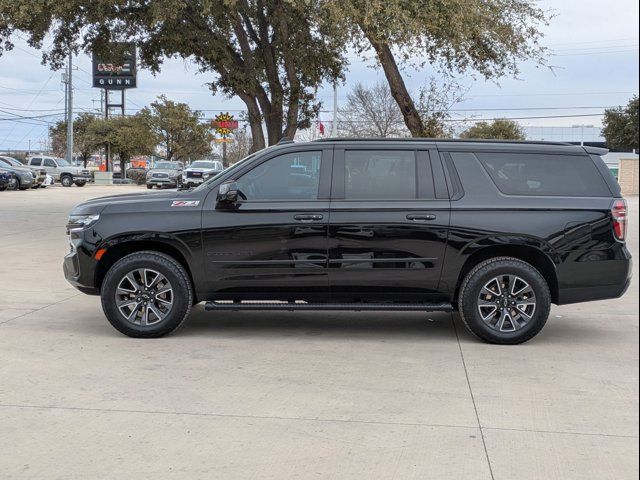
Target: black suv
x,y
495,230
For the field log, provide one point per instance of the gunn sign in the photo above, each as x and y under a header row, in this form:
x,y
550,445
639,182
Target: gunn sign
x,y
116,75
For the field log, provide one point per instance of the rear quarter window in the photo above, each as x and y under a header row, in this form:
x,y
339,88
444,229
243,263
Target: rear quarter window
x,y
543,174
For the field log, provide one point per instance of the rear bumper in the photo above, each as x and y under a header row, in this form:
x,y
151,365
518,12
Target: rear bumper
x,y
597,280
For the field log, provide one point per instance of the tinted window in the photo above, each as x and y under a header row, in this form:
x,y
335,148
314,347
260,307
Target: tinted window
x,y
293,176
380,174
4,163
36,162
49,163
540,174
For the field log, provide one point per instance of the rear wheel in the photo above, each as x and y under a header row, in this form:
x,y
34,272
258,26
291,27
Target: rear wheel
x,y
504,300
149,187
80,184
66,180
146,294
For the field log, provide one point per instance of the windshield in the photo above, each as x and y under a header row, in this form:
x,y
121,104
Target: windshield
x,y
167,165
62,162
10,161
231,169
204,164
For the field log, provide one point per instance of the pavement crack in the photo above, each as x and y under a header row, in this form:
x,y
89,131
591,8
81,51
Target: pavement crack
x,y
473,400
41,308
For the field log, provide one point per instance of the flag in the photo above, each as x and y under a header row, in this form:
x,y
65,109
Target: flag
x,y
321,127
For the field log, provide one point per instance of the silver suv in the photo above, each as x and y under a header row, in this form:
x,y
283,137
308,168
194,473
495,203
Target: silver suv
x,y
61,170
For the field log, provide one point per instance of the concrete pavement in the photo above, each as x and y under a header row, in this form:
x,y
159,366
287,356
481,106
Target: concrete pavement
x,y
298,395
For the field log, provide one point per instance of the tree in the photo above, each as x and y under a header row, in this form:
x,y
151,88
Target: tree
x,y
499,129
435,102
239,147
85,139
371,112
273,54
489,37
128,136
180,130
621,126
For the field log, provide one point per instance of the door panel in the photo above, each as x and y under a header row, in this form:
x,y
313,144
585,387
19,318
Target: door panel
x,y
389,249
275,248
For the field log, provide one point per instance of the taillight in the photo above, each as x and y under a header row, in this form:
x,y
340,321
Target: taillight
x,y
619,215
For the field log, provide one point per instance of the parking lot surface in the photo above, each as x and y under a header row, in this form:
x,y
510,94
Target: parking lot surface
x,y
298,395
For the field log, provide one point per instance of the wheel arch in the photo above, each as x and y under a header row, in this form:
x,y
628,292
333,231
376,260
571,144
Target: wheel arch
x,y
527,253
123,248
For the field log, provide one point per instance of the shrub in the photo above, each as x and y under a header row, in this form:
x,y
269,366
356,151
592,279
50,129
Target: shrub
x,y
137,175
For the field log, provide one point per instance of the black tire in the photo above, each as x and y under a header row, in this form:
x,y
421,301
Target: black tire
x,y
80,184
17,185
66,180
3,188
149,187
178,279
521,327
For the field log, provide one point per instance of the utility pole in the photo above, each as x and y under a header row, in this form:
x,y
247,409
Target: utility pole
x,y
334,124
69,156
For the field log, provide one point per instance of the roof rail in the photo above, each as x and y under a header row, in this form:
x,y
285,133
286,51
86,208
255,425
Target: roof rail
x,y
440,140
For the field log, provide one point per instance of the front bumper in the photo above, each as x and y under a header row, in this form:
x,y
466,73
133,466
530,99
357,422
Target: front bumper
x,y
79,266
169,182
82,178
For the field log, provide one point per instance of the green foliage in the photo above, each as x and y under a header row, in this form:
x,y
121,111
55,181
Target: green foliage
x,y
273,54
487,37
499,129
85,138
128,136
180,131
137,175
621,126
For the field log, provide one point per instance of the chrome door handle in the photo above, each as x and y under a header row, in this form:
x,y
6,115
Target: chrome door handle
x,y
420,218
308,217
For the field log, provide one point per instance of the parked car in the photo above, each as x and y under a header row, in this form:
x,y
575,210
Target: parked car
x,y
39,173
24,176
165,174
498,231
7,180
199,171
61,170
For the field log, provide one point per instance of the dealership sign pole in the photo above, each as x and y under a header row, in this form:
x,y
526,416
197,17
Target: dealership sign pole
x,y
224,124
118,75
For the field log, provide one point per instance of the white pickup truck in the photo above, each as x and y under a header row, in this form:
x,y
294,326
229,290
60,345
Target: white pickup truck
x,y
61,170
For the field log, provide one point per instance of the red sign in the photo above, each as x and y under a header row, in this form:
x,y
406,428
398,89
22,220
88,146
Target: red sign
x,y
230,124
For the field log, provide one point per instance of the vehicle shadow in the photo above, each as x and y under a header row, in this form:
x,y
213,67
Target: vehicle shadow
x,y
319,324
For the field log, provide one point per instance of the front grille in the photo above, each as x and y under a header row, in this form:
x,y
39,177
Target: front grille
x,y
160,175
194,174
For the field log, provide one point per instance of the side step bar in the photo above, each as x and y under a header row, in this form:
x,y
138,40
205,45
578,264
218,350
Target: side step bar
x,y
297,306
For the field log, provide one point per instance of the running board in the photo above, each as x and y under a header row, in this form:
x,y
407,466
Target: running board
x,y
296,306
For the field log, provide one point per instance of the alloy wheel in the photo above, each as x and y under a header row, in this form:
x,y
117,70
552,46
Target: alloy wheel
x,y
144,297
506,303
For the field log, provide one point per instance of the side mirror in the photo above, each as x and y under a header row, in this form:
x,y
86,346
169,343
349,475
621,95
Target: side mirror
x,y
228,194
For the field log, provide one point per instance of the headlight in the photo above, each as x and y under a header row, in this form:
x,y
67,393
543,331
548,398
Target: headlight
x,y
27,176
79,222
149,174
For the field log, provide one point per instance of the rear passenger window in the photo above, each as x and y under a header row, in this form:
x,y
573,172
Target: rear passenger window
x,y
543,174
380,174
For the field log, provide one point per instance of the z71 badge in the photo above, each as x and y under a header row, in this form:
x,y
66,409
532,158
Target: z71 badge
x,y
185,203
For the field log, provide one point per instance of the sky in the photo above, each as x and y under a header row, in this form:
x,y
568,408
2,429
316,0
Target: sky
x,y
594,54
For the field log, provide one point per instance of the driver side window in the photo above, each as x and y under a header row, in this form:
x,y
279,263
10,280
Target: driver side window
x,y
292,176
49,163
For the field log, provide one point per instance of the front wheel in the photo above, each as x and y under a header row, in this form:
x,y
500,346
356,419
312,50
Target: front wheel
x,y
504,300
80,184
66,181
146,294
